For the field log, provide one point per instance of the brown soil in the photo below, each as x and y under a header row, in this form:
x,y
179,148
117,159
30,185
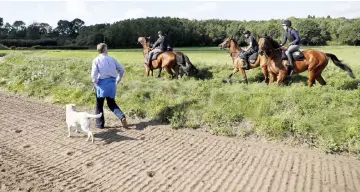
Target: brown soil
x,y
37,155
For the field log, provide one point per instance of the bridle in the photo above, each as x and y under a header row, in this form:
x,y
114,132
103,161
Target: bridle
x,y
268,52
231,53
147,48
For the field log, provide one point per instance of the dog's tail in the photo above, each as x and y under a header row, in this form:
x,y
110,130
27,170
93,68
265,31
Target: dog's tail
x,y
94,116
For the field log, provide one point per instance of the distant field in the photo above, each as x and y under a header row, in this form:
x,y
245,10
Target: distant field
x,y
326,117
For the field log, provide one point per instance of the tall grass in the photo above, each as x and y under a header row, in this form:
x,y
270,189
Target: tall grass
x,y
326,117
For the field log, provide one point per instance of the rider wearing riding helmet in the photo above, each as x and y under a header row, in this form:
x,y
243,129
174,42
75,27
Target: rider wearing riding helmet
x,y
294,39
159,46
252,48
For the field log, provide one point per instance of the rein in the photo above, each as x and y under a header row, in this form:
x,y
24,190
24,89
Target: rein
x,y
266,53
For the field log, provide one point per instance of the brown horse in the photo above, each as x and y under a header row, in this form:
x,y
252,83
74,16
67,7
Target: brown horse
x,y
255,60
181,60
312,60
166,60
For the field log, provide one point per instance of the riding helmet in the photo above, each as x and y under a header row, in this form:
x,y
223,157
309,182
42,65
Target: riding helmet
x,y
246,32
287,23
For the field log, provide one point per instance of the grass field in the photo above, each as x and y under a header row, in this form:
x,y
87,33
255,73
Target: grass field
x,y
326,117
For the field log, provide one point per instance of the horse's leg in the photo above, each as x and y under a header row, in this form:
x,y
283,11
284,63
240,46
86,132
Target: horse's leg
x,y
266,73
147,70
159,74
318,76
177,71
281,77
153,67
320,79
272,77
311,78
233,72
244,75
167,69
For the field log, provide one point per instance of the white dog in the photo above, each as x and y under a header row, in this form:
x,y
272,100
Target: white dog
x,y
74,118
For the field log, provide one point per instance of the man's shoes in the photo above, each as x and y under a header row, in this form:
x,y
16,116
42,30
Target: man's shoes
x,y
124,123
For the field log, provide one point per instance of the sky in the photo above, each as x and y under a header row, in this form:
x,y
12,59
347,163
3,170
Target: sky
x,y
109,11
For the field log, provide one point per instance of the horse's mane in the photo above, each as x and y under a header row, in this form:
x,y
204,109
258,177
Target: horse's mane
x,y
270,42
236,43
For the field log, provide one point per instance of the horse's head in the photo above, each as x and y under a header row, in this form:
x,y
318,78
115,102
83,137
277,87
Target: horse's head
x,y
143,40
267,45
189,69
225,43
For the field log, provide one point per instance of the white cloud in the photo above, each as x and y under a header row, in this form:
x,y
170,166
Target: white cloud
x,y
76,9
204,10
134,13
130,14
346,9
208,6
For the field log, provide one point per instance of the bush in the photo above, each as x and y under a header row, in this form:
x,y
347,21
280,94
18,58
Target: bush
x,y
28,43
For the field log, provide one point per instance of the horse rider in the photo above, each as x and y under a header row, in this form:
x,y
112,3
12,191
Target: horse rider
x,y
292,35
251,49
159,46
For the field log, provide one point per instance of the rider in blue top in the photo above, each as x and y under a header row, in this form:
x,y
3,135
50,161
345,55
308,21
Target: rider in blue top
x,y
294,45
252,48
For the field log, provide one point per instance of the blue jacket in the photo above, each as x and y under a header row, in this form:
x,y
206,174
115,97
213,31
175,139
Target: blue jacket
x,y
292,36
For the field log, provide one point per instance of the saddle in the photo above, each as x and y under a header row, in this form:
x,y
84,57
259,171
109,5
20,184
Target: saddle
x,y
252,58
296,56
155,55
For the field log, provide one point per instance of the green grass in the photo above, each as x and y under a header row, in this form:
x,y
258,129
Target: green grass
x,y
326,117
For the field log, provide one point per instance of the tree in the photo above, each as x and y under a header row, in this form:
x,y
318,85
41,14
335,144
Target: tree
x,y
350,33
33,31
310,32
75,25
6,30
18,30
64,27
1,30
45,29
19,25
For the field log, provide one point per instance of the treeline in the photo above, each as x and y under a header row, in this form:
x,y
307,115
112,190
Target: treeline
x,y
181,32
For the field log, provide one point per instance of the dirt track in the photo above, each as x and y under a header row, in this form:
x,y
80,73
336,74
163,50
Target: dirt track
x,y
37,155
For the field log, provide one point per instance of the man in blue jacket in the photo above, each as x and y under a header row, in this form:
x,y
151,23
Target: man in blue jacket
x,y
294,39
106,73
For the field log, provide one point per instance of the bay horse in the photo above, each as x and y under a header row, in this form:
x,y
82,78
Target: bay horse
x,y
255,60
313,61
183,62
166,60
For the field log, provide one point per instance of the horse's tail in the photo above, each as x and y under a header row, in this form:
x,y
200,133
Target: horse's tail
x,y
339,64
